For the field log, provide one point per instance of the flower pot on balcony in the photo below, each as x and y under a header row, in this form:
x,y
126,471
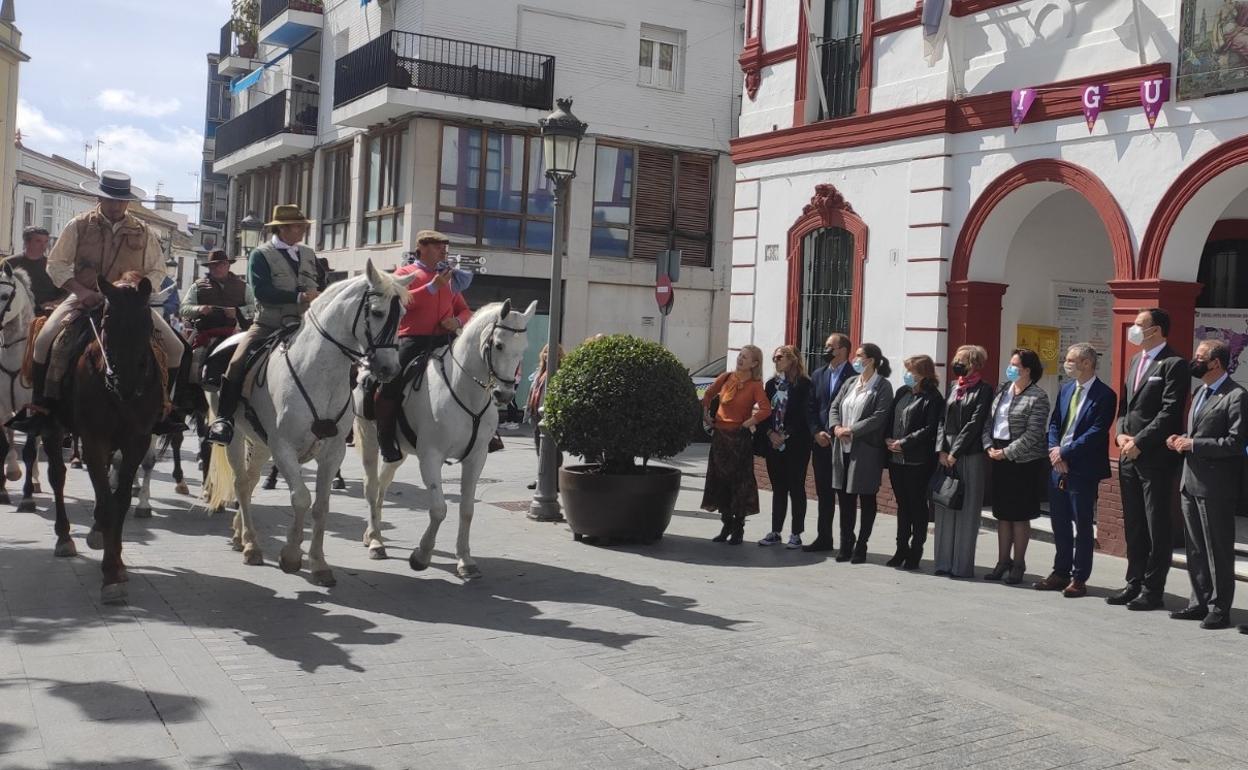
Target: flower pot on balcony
x,y
247,50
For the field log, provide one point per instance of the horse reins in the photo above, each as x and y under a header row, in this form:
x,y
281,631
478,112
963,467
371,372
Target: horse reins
x,y
495,377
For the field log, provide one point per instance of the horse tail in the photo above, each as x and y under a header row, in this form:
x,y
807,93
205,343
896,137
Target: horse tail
x,y
162,447
218,488
28,358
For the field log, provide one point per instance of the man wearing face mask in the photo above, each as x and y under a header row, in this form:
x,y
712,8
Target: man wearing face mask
x,y
1213,466
1150,409
827,381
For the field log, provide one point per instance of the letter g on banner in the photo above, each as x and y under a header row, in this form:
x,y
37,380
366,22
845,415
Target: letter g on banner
x,y
1093,100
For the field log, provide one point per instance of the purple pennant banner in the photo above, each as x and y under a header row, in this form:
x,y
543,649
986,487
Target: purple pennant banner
x,y
1153,94
1022,99
1093,101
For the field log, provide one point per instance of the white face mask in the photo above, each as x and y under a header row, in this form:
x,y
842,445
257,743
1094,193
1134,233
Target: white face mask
x,y
1135,335
1071,368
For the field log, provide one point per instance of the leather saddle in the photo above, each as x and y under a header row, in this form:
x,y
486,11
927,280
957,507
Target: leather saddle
x,y
218,359
411,378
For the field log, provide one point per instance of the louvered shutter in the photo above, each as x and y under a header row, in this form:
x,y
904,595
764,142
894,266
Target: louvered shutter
x,y
693,209
653,223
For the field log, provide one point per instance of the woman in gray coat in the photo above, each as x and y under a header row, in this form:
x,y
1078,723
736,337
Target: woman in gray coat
x,y
1016,440
858,421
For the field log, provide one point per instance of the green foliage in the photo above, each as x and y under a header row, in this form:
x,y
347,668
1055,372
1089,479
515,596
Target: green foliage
x,y
245,19
619,398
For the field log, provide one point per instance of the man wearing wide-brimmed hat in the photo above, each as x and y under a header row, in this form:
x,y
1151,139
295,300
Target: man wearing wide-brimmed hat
x,y
215,303
284,280
104,242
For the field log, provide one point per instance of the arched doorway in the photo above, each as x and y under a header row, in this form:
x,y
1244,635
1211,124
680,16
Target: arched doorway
x,y
827,248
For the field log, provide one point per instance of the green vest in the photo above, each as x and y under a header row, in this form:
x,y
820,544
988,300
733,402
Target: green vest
x,y
285,278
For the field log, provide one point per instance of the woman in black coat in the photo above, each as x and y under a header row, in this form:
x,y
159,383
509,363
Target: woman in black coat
x,y
917,412
789,443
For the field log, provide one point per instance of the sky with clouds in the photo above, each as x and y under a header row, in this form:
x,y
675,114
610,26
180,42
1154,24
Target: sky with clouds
x,y
131,73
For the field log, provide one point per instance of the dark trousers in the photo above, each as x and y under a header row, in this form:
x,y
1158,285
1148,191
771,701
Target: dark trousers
x,y
849,512
1146,496
910,483
787,472
821,463
1210,525
1072,512
409,349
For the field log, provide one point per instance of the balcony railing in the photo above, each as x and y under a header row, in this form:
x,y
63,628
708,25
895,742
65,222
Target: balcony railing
x,y
841,61
227,39
471,70
288,112
269,9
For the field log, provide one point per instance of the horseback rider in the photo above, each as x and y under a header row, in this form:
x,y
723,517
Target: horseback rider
x,y
216,303
285,277
34,261
436,312
104,242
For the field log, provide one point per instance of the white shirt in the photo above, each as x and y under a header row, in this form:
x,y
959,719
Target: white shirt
x,y
1083,404
1001,420
852,404
291,252
1202,396
1148,358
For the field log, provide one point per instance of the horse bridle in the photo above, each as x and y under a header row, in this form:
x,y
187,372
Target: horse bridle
x,y
374,343
490,341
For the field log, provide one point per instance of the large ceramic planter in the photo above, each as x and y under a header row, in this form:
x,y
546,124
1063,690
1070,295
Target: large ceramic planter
x,y
623,507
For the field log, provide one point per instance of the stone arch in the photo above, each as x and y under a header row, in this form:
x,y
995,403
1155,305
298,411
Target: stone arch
x,y
827,208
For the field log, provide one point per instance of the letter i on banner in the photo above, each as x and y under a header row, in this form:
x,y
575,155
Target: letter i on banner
x,y
1093,99
1023,98
1153,94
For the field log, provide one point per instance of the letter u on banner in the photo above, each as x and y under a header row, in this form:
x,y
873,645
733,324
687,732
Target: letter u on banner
x,y
1022,99
1153,94
1093,101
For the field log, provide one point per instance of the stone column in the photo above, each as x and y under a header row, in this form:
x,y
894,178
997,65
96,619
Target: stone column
x,y
975,319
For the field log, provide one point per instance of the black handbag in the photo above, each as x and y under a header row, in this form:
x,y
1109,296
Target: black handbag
x,y
946,489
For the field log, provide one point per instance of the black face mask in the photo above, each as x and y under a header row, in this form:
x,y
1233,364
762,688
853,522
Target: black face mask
x,y
960,369
1198,368
829,354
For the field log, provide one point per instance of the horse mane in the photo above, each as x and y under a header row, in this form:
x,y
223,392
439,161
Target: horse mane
x,y
386,286
23,280
483,316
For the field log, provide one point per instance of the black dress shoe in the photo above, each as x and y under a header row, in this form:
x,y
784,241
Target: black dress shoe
x,y
1125,596
1215,620
843,555
898,558
860,555
723,535
1146,602
818,546
1243,628
1190,613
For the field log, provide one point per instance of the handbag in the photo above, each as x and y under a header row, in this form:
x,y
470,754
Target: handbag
x,y
946,490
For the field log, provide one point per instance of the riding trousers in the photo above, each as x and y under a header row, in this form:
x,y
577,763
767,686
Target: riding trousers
x,y
256,333
68,311
409,349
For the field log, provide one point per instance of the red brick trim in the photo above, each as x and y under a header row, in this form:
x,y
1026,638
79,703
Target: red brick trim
x,y
937,329
926,294
915,260
1047,170
772,58
751,58
827,208
1229,230
975,113
1206,168
968,7
891,24
929,224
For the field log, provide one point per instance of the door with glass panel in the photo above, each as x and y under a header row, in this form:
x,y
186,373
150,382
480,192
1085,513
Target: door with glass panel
x,y
826,295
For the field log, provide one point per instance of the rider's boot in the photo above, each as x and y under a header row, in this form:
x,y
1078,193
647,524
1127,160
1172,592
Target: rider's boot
x,y
222,429
175,421
34,417
386,410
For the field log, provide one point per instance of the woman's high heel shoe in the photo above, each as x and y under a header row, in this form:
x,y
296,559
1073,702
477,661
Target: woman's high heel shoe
x,y
998,571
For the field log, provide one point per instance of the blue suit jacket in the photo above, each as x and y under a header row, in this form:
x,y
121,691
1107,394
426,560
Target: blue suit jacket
x,y
827,383
1087,454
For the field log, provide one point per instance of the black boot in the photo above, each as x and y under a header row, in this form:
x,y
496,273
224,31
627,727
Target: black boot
x,y
738,531
222,429
724,532
34,417
847,548
860,553
386,411
898,558
913,557
175,421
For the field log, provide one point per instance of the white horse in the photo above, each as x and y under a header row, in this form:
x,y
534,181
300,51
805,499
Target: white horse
x,y
454,414
301,400
18,304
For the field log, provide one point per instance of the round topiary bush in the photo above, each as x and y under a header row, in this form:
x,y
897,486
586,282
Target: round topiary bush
x,y
620,398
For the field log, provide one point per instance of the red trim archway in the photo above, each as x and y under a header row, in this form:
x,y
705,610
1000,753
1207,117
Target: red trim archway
x,y
1206,168
827,208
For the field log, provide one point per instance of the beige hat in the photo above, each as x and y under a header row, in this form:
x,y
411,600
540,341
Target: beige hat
x,y
428,236
287,214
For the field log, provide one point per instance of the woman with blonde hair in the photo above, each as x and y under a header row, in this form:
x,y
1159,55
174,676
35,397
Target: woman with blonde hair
x,y
742,406
789,443
961,447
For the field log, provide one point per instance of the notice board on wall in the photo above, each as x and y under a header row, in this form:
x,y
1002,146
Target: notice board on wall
x,y
1083,312
1231,326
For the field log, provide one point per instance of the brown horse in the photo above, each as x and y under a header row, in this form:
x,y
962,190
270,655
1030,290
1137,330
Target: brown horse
x,y
111,402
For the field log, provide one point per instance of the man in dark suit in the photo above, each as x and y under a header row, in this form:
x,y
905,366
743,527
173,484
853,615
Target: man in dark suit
x,y
828,381
1150,409
1079,453
1213,466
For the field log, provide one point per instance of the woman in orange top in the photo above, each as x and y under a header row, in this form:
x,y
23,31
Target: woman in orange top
x,y
743,404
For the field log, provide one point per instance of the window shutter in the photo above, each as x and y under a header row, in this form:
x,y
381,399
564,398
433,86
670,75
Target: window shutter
x,y
693,209
653,198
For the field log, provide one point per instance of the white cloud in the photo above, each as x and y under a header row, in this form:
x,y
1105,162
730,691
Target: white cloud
x,y
123,100
37,129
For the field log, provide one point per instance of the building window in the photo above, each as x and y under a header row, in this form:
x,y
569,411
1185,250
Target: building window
x,y
28,213
492,190
660,57
840,57
336,197
383,203
827,289
1225,284
648,200
299,184
267,186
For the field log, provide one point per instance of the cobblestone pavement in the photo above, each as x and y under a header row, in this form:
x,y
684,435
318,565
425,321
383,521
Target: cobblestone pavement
x,y
679,655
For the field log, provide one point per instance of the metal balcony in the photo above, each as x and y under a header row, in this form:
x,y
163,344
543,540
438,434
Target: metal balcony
x,y
408,61
281,125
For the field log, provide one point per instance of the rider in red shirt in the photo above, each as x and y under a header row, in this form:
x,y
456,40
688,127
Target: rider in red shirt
x,y
434,315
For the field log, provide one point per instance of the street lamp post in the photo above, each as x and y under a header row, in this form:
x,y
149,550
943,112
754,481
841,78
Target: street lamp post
x,y
561,143
249,233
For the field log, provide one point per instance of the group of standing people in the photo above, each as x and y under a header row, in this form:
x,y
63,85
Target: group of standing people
x,y
945,454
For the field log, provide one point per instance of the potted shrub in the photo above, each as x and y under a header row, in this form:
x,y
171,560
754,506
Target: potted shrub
x,y
245,22
619,402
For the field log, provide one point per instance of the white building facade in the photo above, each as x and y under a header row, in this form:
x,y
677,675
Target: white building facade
x,y
904,208
392,117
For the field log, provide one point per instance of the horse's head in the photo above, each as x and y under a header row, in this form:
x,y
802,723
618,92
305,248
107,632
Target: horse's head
x,y
503,339
381,308
126,333
15,292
